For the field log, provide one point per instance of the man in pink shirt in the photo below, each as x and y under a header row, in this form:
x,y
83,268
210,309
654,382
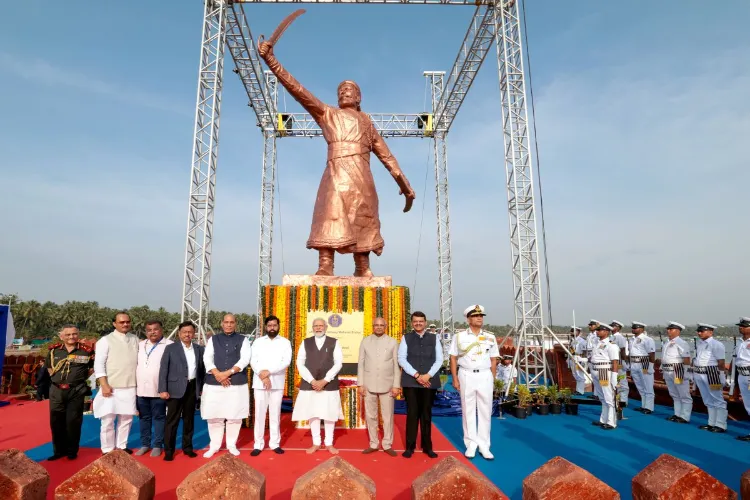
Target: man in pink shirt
x,y
151,408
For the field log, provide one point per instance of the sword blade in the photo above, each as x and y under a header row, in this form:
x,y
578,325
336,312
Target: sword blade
x,y
281,28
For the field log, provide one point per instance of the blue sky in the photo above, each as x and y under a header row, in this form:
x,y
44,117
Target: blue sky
x,y
642,118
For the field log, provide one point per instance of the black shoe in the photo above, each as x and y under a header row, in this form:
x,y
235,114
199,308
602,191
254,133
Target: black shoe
x,y
646,411
430,454
743,438
673,418
127,450
597,423
278,451
168,457
705,427
681,420
718,430
55,457
407,453
607,427
255,452
189,453
72,456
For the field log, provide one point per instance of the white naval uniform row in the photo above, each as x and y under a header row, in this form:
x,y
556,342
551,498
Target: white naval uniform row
x,y
622,377
707,357
742,364
475,353
643,378
676,376
605,379
580,346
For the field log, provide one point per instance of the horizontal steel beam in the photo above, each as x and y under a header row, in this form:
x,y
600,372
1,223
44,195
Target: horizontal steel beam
x,y
388,124
473,3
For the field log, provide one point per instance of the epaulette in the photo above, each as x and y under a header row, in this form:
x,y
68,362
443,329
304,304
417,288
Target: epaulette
x,y
85,347
56,346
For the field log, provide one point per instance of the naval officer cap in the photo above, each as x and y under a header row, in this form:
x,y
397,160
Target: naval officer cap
x,y
475,310
705,327
575,329
616,323
594,322
675,325
602,326
745,322
637,324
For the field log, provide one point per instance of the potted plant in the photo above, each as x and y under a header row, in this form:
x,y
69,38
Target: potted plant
x,y
555,408
498,392
523,407
571,408
540,400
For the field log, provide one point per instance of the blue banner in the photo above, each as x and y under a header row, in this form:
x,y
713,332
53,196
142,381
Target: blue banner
x,y
4,316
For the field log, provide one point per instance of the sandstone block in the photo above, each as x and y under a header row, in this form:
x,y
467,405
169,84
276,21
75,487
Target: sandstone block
x,y
334,478
559,479
669,478
21,478
115,475
745,486
449,479
226,477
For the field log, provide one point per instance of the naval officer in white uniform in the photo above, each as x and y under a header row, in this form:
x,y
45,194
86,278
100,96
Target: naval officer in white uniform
x,y
675,361
642,358
578,349
619,340
605,362
474,352
710,377
741,364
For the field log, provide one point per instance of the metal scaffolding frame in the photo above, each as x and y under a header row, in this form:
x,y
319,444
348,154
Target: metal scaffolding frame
x,y
493,22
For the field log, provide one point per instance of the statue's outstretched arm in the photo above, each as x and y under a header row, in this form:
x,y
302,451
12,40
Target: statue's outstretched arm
x,y
381,150
312,104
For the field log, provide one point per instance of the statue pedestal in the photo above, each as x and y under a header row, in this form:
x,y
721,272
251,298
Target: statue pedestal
x,y
348,305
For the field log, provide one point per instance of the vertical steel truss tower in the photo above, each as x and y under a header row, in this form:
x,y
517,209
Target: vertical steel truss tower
x,y
493,21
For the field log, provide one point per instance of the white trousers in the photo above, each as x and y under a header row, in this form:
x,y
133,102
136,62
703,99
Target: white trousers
x,y
111,440
216,433
315,431
580,376
644,382
607,397
683,401
714,401
744,381
476,407
267,401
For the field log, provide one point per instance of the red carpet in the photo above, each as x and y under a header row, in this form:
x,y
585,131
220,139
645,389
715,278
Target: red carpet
x,y
27,426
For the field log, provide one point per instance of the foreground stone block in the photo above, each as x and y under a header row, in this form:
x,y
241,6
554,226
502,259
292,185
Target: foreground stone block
x,y
449,479
334,478
745,486
21,478
559,479
226,477
115,475
669,478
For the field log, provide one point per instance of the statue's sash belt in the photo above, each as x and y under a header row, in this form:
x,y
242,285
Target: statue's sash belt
x,y
345,148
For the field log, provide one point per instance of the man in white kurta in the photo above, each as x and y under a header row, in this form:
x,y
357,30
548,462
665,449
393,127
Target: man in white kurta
x,y
675,361
225,396
115,370
474,354
319,360
270,359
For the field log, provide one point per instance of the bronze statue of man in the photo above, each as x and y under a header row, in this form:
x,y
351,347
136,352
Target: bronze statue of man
x,y
345,218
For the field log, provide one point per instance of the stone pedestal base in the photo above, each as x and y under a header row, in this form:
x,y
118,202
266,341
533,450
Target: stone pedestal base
x,y
226,477
334,478
559,479
21,478
668,478
115,475
311,279
450,479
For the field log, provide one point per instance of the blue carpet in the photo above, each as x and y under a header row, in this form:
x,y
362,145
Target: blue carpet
x,y
522,446
90,437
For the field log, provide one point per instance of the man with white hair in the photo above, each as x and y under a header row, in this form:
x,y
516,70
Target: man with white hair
x,y
642,358
710,376
474,352
605,363
319,361
225,395
675,361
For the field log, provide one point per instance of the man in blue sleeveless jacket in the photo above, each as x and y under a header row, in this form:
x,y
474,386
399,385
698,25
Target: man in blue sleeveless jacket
x,y
420,355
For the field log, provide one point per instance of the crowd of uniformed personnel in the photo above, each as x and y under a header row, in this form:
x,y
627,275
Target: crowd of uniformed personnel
x,y
605,357
184,371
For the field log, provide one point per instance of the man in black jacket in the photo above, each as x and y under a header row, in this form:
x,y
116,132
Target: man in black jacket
x,y
42,381
181,377
421,356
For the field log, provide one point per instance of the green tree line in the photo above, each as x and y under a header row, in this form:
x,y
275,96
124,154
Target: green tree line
x,y
37,320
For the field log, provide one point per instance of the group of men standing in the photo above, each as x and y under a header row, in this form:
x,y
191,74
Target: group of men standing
x,y
610,357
